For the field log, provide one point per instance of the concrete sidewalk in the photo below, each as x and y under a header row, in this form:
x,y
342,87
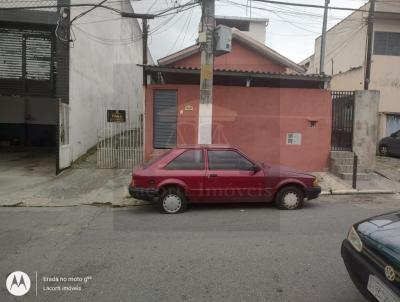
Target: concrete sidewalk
x,y
384,179
84,184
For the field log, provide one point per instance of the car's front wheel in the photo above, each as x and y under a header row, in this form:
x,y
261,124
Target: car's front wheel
x,y
172,201
289,198
383,150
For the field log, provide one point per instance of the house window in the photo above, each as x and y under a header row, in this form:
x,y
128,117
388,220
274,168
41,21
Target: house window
x,y
387,43
293,139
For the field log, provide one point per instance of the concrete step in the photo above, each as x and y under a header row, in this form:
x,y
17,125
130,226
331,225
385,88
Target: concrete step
x,y
337,169
349,176
342,161
341,154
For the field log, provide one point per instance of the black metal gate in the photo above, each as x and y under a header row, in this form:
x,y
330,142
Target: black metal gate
x,y
342,120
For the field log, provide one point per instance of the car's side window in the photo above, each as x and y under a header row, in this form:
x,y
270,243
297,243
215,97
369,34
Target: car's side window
x,y
227,160
188,160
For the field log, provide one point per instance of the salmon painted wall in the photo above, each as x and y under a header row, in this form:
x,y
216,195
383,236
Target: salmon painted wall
x,y
256,120
249,59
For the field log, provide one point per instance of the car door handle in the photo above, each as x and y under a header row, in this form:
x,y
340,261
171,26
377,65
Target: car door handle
x,y
212,175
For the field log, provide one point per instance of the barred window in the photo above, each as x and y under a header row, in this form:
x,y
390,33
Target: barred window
x,y
387,43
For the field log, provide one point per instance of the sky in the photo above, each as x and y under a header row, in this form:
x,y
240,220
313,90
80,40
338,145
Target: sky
x,y
291,30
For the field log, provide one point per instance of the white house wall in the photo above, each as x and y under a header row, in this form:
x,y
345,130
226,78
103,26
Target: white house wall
x,y
103,71
345,46
385,71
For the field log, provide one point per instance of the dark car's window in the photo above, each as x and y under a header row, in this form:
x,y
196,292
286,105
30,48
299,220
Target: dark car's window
x,y
188,160
227,160
154,160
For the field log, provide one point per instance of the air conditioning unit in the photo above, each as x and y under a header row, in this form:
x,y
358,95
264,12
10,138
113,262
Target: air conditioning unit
x,y
223,40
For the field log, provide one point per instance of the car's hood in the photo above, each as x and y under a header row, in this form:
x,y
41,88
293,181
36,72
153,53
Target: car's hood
x,y
276,170
382,234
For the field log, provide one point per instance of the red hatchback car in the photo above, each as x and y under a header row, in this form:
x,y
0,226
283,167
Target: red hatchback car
x,y
211,173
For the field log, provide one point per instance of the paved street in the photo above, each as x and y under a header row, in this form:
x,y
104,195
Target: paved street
x,y
210,253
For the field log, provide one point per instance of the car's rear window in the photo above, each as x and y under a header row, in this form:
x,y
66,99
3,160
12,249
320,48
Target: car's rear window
x,y
188,160
156,159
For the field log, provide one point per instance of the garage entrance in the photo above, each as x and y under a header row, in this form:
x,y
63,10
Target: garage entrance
x,y
29,110
28,133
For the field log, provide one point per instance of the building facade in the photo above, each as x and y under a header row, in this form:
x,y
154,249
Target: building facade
x,y
262,103
345,59
62,70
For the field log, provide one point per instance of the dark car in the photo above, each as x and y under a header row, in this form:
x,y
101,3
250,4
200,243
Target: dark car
x,y
390,145
371,254
210,173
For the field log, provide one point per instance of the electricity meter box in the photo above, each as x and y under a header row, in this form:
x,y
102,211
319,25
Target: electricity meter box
x,y
223,40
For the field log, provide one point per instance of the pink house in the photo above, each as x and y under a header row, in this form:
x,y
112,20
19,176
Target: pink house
x,y
263,103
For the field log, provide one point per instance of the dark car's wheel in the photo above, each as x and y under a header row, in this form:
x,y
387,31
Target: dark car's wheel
x,y
383,150
172,201
289,198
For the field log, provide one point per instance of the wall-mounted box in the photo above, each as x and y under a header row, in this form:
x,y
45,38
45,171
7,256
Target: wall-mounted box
x,y
223,40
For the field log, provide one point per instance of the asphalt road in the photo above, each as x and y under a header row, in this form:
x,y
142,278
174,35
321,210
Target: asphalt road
x,y
210,253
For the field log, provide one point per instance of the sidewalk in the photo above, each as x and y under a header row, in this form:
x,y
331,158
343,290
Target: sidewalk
x,y
384,179
83,184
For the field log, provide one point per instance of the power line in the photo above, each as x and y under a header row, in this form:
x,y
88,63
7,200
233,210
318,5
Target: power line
x,y
182,30
124,14
88,11
311,5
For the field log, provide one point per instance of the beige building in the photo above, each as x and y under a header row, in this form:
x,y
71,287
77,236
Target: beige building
x,y
345,59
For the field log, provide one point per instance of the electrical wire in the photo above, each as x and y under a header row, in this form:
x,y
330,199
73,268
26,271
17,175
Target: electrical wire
x,y
180,33
88,11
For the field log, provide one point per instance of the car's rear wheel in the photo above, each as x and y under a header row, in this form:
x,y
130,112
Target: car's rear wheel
x,y
383,150
172,201
289,198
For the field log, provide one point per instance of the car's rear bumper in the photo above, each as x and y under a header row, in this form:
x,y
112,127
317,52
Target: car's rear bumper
x,y
313,192
359,269
147,194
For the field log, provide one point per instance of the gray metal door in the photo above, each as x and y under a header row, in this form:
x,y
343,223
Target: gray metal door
x,y
165,119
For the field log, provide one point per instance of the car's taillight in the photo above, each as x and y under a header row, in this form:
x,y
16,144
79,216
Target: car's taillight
x,y
315,183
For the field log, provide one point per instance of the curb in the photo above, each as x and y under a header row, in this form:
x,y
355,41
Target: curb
x,y
356,191
131,202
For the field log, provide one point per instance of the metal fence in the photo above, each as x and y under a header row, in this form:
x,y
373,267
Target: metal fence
x,y
120,142
342,120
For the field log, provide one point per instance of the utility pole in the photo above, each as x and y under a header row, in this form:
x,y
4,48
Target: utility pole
x,y
323,39
206,39
144,41
370,31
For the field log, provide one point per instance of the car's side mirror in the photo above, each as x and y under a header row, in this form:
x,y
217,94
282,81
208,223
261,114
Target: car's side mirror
x,y
255,168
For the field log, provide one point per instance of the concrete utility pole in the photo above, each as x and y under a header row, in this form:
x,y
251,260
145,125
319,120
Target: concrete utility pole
x,y
144,46
323,39
206,39
370,31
